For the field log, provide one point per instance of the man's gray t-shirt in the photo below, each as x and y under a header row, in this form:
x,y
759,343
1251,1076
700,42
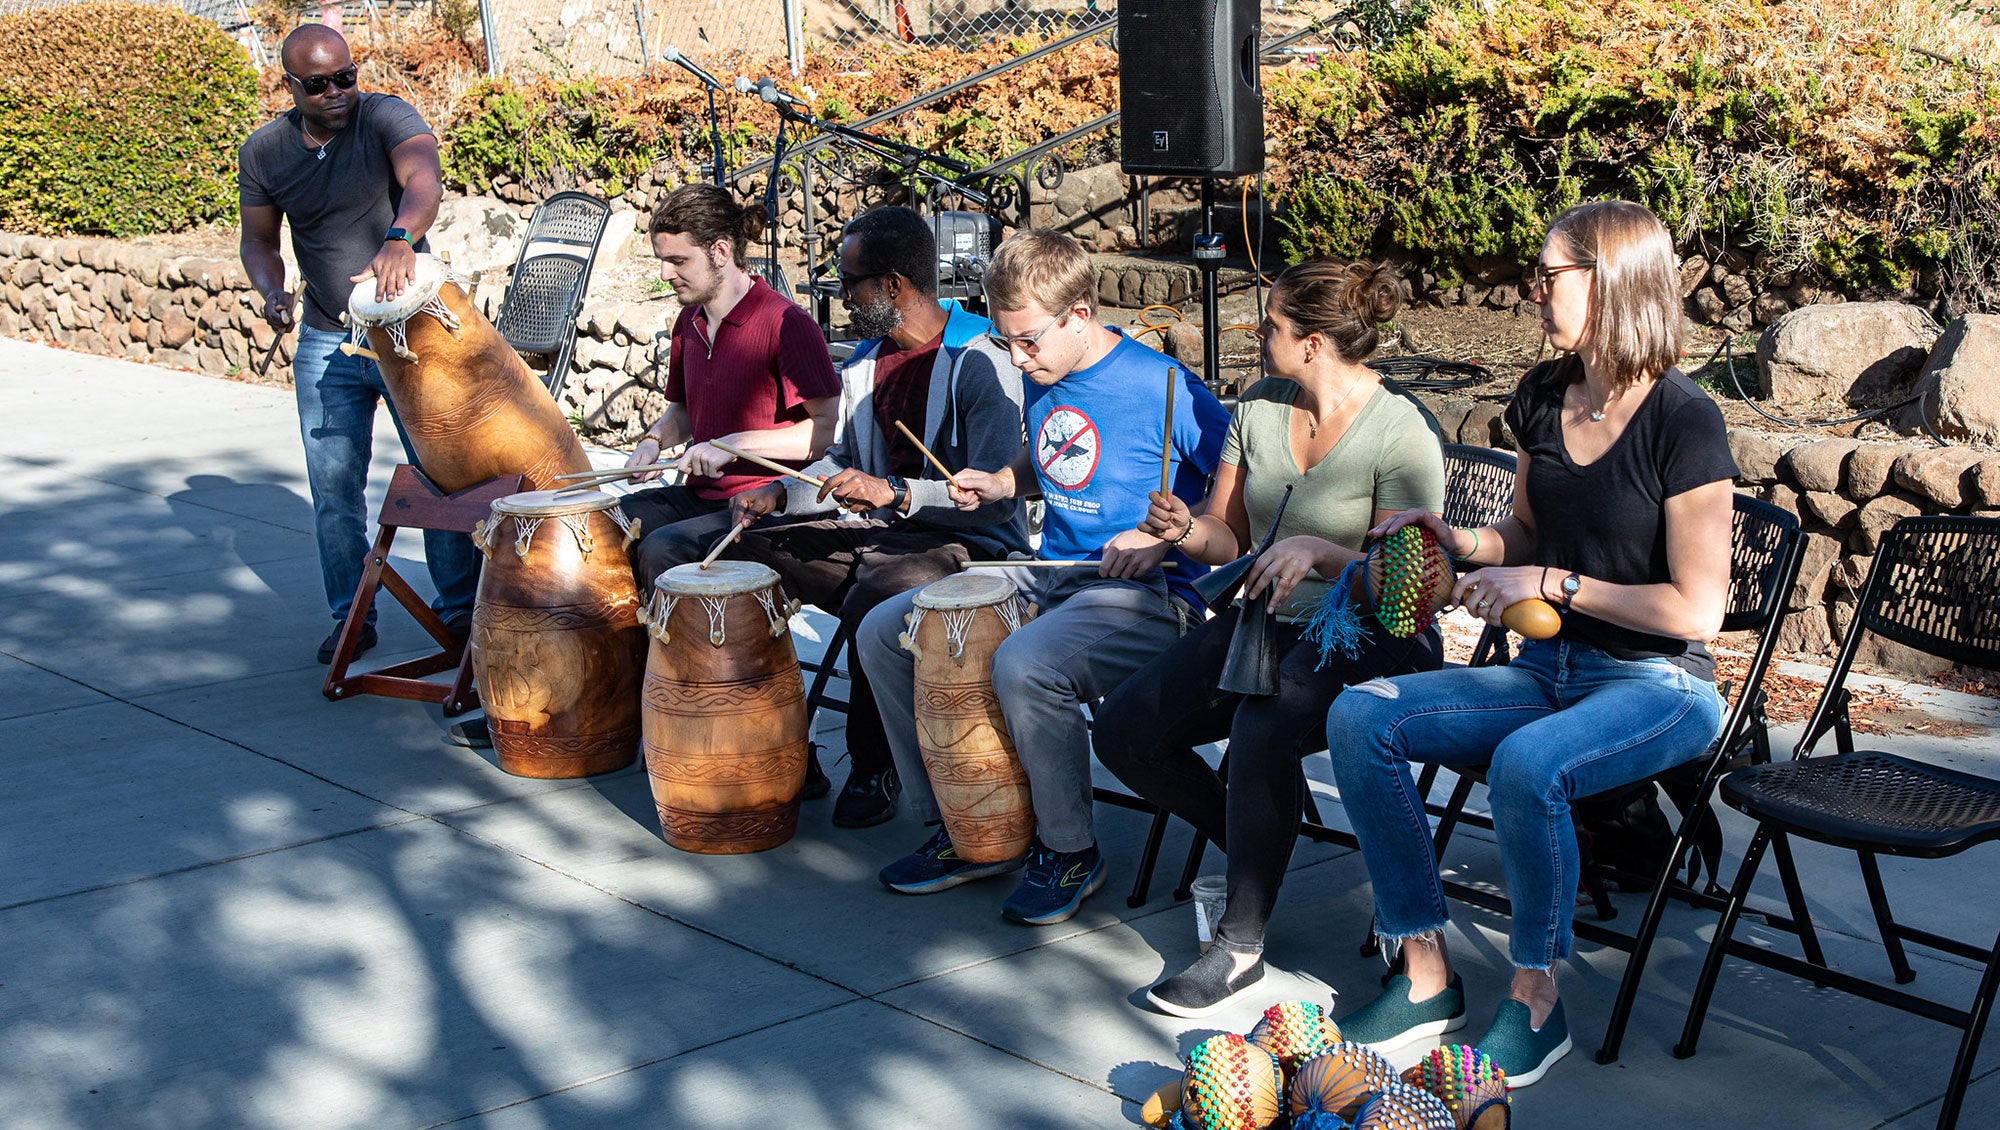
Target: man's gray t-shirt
x,y
338,207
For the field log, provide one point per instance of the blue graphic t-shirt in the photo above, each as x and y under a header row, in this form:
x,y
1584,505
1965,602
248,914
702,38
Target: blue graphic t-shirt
x,y
1095,436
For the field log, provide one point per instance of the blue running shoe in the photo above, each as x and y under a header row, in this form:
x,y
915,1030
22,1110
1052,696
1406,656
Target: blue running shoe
x,y
1053,885
936,867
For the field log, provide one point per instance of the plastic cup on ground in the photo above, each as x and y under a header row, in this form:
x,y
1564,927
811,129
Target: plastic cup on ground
x,y
1211,894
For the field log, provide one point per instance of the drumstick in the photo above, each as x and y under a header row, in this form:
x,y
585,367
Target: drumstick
x,y
1039,563
911,436
265,365
353,350
767,464
612,475
1167,440
724,543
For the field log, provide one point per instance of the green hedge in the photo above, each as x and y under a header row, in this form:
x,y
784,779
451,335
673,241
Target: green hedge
x,y
119,118
1854,141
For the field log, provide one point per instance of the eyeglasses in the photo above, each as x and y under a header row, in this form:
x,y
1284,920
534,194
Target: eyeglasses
x,y
1027,345
315,85
1541,277
850,283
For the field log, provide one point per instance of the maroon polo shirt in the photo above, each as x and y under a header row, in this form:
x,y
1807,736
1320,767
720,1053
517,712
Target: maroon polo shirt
x,y
752,372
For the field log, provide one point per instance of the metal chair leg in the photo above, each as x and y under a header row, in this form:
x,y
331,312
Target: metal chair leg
x,y
1711,966
1649,927
1871,875
1795,898
1968,1046
1460,794
1192,868
1142,882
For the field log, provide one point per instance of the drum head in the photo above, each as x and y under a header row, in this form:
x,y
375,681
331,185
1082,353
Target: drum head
x,y
967,590
365,309
721,578
553,504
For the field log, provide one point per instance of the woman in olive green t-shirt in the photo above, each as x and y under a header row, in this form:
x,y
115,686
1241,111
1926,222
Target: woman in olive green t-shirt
x,y
1355,449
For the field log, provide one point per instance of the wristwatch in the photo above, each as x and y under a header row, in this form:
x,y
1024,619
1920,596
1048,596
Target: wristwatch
x,y
901,495
1569,586
400,233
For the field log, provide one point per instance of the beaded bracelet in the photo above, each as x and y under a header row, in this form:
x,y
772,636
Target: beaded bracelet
x,y
1185,534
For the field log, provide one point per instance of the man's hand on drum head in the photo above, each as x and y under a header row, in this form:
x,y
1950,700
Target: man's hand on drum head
x,y
392,269
747,507
278,310
1131,554
977,488
705,459
857,491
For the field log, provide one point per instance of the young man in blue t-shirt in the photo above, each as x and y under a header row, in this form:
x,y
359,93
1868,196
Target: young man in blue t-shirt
x,y
1095,412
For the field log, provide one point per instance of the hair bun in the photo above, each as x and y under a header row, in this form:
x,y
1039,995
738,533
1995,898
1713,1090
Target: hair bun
x,y
1375,292
750,222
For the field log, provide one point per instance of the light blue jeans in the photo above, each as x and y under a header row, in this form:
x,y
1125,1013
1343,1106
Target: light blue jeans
x,y
1563,720
337,396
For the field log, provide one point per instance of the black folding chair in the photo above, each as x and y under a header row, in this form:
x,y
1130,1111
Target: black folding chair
x,y
1935,587
545,292
1766,547
1478,491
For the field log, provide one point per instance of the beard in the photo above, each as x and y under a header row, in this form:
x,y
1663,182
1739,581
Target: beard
x,y
875,320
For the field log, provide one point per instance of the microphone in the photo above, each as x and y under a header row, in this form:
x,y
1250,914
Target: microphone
x,y
673,55
769,92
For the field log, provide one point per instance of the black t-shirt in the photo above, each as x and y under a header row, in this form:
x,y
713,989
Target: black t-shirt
x,y
340,206
1607,520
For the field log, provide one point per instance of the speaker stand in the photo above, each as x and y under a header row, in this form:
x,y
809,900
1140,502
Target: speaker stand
x,y
1208,256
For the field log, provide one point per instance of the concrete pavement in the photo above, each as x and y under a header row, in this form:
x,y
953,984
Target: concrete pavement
x,y
228,902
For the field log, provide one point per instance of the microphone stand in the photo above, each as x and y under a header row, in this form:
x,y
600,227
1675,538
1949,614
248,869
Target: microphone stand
x,y
771,194
673,55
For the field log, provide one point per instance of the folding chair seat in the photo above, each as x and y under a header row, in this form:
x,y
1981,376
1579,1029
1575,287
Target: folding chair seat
x,y
551,273
1935,587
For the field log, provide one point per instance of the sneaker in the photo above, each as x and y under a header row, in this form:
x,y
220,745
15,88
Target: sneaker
x,y
1206,985
1523,1053
936,867
817,784
327,646
473,733
1393,1021
1053,885
867,799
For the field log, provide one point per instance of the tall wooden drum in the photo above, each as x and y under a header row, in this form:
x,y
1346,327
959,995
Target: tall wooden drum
x,y
556,640
471,407
981,789
725,709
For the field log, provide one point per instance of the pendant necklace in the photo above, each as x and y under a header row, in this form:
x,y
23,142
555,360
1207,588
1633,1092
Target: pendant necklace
x,y
312,141
1312,422
1596,414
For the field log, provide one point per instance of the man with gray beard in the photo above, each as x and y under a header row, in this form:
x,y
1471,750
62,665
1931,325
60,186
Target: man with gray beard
x,y
884,523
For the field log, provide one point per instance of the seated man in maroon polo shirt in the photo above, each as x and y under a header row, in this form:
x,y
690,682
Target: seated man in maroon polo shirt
x,y
747,367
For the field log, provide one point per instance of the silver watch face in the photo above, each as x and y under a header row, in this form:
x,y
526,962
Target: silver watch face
x,y
1570,584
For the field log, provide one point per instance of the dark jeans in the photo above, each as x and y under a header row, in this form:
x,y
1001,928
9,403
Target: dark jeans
x,y
676,526
845,567
1147,729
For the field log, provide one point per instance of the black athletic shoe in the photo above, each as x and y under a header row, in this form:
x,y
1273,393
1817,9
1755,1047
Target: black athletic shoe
x,y
817,784
1204,986
867,799
327,646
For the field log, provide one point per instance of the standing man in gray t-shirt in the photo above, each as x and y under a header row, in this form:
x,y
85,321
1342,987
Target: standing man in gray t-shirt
x,y
357,175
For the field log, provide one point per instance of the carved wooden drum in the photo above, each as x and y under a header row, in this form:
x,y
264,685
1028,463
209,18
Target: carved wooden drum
x,y
981,789
725,709
471,407
556,640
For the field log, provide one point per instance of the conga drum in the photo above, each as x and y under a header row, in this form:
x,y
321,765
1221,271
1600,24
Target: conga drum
x,y
471,407
981,789
556,641
725,709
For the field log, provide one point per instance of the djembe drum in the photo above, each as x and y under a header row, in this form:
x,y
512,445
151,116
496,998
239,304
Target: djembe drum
x,y
982,791
468,402
725,709
556,642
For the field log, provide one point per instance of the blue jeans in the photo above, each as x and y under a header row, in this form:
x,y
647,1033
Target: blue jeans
x,y
1563,720
337,396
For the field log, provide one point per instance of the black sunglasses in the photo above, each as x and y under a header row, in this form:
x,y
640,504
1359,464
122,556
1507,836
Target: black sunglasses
x,y
315,85
848,283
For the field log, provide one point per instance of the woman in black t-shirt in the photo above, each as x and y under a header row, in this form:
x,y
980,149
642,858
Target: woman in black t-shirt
x,y
1622,519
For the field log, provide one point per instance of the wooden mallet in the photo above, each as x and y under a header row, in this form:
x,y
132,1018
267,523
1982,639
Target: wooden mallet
x,y
1167,437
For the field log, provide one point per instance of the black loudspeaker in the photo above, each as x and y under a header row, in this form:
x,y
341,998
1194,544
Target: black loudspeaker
x,y
1188,88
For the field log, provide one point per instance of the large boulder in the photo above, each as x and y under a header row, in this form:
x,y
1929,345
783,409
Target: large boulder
x,y
478,232
1848,352
1961,392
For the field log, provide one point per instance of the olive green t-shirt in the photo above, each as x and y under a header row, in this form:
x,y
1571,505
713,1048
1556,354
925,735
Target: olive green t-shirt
x,y
1389,459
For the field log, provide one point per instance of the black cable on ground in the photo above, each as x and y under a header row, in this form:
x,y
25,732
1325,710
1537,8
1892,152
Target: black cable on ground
x,y
1727,351
1431,374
